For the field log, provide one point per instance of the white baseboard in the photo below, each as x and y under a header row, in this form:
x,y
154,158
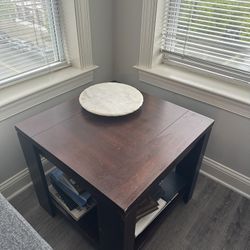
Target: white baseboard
x,y
20,181
226,176
214,170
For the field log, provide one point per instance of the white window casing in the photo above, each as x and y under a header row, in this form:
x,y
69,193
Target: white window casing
x,y
28,92
226,93
31,39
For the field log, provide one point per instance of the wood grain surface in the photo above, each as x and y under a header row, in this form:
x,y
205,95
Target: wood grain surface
x,y
120,156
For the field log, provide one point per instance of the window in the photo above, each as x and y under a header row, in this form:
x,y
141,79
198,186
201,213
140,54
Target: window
x,y
30,38
212,35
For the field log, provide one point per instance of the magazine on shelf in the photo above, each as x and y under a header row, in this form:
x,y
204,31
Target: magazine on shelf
x,y
147,206
75,184
145,221
75,213
59,180
66,199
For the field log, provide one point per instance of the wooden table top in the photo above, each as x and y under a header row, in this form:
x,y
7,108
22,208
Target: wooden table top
x,y
122,156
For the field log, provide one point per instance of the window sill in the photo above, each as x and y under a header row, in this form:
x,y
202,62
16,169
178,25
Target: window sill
x,y
22,96
225,95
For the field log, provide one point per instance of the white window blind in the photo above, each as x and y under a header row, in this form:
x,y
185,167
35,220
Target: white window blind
x,y
30,38
209,34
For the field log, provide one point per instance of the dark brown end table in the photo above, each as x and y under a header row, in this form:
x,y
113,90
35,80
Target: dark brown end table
x,y
119,160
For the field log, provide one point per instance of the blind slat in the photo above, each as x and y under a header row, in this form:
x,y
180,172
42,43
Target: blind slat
x,y
225,5
208,28
226,61
212,24
218,17
209,8
13,62
210,37
235,58
210,48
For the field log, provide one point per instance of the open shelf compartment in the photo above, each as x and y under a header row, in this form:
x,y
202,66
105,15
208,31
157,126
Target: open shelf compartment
x,y
87,224
172,185
170,188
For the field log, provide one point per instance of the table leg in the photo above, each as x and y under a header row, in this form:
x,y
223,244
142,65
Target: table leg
x,y
34,163
116,231
189,167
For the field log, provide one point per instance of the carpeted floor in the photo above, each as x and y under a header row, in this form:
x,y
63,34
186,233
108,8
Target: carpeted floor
x,y
15,231
215,218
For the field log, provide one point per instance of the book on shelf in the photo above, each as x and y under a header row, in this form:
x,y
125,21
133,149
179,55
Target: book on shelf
x,y
67,189
147,206
142,223
75,184
76,213
145,221
66,199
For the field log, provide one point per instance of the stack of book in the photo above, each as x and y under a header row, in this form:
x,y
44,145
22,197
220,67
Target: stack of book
x,y
69,194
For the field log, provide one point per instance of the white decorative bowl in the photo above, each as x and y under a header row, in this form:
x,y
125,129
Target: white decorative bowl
x,y
111,99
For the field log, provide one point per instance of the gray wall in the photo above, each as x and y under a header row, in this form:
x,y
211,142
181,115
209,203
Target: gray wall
x,y
230,139
115,36
11,158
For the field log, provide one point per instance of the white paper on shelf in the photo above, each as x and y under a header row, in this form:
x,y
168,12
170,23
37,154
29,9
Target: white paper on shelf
x,y
146,220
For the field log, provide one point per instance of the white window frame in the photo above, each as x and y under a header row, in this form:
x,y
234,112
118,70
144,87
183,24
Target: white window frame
x,y
26,93
56,65
224,93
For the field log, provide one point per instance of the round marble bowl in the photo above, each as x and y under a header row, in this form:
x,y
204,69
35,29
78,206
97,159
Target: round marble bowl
x,y
111,99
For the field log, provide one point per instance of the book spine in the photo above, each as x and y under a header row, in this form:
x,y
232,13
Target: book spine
x,y
66,199
80,200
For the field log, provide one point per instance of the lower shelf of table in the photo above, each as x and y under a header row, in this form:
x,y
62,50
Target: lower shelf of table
x,y
88,224
170,190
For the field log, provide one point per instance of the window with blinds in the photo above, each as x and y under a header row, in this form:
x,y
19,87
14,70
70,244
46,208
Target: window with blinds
x,y
209,34
30,38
